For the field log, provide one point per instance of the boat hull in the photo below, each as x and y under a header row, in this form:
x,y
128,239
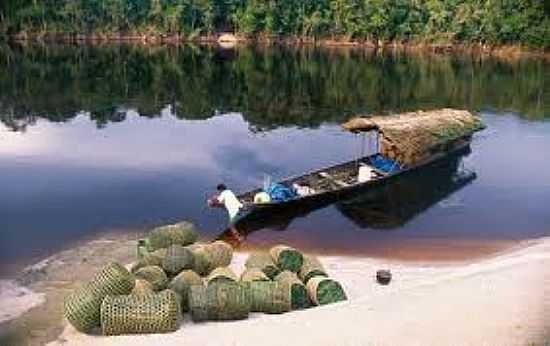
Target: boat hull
x,y
272,214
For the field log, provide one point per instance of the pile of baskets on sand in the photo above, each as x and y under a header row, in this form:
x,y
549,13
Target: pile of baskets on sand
x,y
174,275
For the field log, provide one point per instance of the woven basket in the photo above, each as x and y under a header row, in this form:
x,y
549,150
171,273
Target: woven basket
x,y
196,303
154,275
264,262
177,258
221,274
221,253
311,267
82,307
182,283
201,259
150,259
219,301
142,288
253,274
324,291
298,291
269,297
154,313
182,233
208,257
287,258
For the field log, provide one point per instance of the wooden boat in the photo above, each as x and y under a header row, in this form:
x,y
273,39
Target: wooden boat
x,y
339,180
385,206
411,140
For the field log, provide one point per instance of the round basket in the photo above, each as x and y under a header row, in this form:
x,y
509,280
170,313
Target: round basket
x,y
177,258
264,262
287,258
154,275
82,307
182,233
153,313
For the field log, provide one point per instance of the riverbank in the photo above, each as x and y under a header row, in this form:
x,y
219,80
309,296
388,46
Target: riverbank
x,y
495,300
228,41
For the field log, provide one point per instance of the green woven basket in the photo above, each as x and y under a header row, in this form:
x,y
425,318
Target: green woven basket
x,y
207,257
154,275
82,307
219,301
182,233
153,313
287,258
142,288
300,298
196,303
202,262
269,297
177,258
150,259
324,291
221,274
264,262
221,253
310,268
182,283
253,274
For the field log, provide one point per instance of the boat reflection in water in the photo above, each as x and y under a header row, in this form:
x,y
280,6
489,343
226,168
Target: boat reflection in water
x,y
394,204
383,207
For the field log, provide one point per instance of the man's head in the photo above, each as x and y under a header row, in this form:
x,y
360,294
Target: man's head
x,y
221,187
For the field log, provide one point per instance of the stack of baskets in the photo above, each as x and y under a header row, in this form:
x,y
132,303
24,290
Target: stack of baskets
x,y
174,275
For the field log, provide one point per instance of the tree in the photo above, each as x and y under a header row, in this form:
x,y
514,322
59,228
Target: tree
x,y
491,21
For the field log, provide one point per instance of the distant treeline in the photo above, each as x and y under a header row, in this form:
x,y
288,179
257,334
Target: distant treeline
x,y
498,22
270,87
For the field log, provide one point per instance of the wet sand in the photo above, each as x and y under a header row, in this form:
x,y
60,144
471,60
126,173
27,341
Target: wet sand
x,y
515,274
17,266
54,278
411,250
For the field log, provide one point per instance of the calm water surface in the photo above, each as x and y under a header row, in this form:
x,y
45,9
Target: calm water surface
x,y
95,139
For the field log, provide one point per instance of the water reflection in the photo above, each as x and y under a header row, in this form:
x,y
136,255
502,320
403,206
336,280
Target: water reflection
x,y
384,207
393,205
271,87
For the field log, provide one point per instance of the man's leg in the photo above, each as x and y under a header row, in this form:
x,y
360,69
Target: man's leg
x,y
235,233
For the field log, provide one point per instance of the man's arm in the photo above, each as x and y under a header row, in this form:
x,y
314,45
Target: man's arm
x,y
220,198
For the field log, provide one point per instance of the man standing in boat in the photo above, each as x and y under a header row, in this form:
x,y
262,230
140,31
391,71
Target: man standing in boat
x,y
227,198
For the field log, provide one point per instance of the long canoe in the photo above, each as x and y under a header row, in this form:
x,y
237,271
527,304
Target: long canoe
x,y
335,182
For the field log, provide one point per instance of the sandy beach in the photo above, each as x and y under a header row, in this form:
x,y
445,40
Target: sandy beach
x,y
499,300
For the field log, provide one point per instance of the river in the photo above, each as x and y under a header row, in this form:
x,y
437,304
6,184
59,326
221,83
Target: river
x,y
118,138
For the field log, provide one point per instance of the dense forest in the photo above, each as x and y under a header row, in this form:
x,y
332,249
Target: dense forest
x,y
270,87
525,22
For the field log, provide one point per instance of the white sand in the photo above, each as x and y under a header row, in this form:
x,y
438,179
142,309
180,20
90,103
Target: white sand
x,y
496,301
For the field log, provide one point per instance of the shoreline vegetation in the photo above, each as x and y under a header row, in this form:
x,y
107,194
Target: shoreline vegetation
x,y
230,40
486,26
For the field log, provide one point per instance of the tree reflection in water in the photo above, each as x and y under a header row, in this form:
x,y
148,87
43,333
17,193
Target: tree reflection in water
x,y
271,87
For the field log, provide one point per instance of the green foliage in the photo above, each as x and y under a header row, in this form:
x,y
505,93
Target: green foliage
x,y
485,21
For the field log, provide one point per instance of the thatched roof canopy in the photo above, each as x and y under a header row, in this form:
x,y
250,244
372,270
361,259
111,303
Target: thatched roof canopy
x,y
410,137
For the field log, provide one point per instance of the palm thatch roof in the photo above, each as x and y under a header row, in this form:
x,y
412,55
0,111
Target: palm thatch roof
x,y
411,137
